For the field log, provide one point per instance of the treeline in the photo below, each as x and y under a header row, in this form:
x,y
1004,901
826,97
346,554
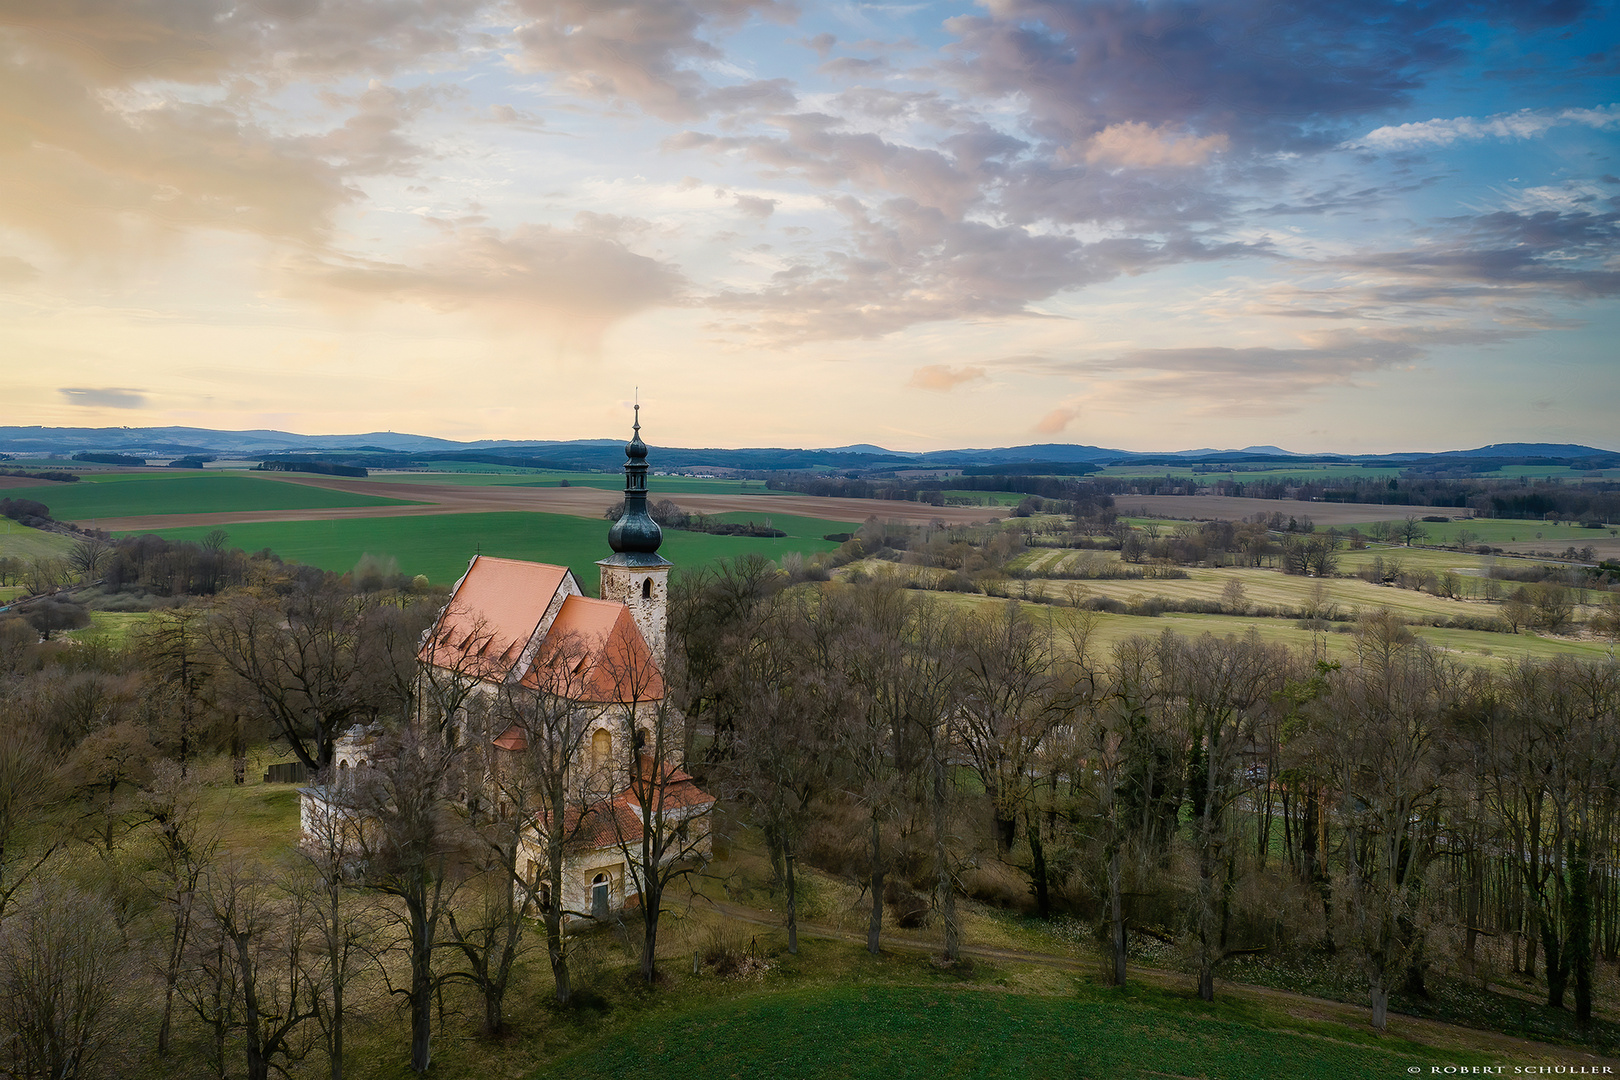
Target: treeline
x,y
102,457
1592,502
668,515
323,468
43,474
1398,816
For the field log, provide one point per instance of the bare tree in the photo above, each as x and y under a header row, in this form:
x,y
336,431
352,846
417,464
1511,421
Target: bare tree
x,y
658,813
778,766
1385,717
259,933
63,967
409,845
183,853
29,793
544,781
343,923
308,664
1220,686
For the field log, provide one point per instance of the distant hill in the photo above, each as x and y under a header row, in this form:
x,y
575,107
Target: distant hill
x,y
385,449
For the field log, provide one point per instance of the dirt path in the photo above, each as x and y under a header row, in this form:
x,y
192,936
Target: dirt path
x,y
1511,1050
585,502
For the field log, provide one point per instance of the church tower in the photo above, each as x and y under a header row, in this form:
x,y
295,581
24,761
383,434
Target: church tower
x,y
635,575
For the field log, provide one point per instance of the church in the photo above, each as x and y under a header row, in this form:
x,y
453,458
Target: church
x,y
524,631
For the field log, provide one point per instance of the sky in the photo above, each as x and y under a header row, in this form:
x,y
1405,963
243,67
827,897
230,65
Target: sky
x,y
1335,225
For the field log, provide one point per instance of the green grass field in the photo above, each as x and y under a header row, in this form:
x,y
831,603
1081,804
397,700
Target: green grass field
x,y
804,528
894,1033
440,545
1505,530
985,498
132,494
21,542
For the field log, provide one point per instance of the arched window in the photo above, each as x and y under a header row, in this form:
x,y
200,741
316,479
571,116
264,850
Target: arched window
x,y
646,588
601,746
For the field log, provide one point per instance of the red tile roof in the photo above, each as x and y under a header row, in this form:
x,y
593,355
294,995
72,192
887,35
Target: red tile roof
x,y
494,613
595,652
491,616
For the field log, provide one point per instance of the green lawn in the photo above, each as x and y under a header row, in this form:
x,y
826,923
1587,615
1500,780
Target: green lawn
x,y
440,545
894,1033
133,494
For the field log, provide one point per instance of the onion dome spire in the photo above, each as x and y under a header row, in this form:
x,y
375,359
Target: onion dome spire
x,y
635,532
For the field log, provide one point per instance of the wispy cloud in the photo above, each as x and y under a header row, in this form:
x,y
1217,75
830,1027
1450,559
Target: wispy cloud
x,y
106,397
944,376
1524,124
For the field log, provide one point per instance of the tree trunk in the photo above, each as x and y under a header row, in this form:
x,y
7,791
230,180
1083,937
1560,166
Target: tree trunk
x,y
1116,911
945,887
1557,964
1037,866
874,929
1380,1004
1580,931
792,905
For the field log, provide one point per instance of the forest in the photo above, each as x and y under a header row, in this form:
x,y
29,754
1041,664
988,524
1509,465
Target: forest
x,y
1411,820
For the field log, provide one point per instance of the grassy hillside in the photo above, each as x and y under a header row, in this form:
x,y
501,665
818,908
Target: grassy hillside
x,y
933,1033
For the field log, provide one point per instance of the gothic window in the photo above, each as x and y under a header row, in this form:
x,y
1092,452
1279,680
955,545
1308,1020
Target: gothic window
x,y
601,746
646,588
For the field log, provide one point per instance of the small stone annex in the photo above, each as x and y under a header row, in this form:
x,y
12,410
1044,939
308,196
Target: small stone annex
x,y
521,626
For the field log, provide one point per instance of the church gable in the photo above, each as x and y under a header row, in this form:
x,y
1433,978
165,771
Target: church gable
x,y
496,616
608,659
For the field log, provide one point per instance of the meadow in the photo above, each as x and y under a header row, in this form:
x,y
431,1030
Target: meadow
x,y
440,545
1502,530
115,495
936,1032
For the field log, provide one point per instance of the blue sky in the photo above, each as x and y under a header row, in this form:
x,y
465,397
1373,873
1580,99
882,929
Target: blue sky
x,y
1353,226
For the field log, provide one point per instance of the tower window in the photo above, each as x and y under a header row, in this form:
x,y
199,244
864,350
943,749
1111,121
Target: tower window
x,y
646,588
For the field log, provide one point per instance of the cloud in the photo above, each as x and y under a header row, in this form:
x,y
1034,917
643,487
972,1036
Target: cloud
x,y
1143,146
641,52
371,141
574,282
108,397
755,207
15,271
944,377
1568,253
906,263
1054,422
854,67
126,42
812,147
91,173
1270,77
1524,124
